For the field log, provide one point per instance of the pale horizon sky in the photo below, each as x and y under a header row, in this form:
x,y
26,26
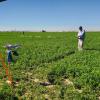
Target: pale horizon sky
x,y
51,15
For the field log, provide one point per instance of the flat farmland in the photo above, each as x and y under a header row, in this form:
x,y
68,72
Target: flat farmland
x,y
49,66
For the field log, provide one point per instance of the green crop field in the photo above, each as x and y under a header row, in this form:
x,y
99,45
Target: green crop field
x,y
50,67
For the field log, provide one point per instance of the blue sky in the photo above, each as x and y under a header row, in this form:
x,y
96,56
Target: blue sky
x,y
49,14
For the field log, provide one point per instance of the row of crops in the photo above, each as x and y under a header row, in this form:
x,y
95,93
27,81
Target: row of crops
x,y
52,57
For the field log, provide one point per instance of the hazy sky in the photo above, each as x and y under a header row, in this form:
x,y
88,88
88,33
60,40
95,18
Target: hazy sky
x,y
49,14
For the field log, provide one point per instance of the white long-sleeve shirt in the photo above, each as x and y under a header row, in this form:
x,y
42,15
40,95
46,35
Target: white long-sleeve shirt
x,y
81,33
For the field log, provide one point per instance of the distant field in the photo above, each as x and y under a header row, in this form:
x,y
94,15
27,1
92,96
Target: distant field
x,y
52,57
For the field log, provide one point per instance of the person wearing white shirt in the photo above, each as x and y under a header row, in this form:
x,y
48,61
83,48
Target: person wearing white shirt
x,y
81,36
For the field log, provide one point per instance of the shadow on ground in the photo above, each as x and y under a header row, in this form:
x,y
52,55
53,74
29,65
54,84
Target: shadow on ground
x,y
92,49
62,56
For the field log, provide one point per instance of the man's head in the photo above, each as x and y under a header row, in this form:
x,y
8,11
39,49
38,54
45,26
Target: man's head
x,y
9,46
80,28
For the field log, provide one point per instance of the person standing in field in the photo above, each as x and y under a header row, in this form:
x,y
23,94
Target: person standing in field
x,y
9,55
81,36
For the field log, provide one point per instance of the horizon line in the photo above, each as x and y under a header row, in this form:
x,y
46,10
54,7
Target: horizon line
x,y
48,29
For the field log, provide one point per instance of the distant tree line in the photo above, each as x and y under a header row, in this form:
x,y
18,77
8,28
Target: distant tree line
x,y
43,30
